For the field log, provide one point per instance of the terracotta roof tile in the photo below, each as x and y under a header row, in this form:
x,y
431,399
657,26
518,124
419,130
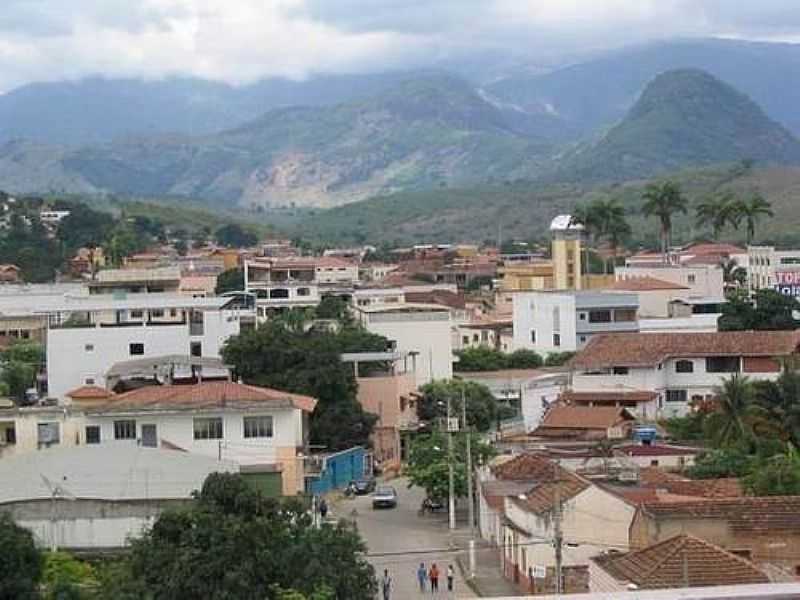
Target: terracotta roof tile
x,y
762,515
527,467
682,561
584,417
542,498
89,392
656,450
648,349
654,476
206,395
645,284
572,397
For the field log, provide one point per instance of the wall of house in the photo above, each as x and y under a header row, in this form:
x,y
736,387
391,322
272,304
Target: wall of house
x,y
25,423
83,355
703,281
340,275
655,303
540,316
537,395
426,333
339,470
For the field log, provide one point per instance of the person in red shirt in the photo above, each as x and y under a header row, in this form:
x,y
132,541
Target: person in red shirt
x,y
433,575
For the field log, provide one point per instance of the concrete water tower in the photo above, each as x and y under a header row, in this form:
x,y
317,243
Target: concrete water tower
x,y
567,243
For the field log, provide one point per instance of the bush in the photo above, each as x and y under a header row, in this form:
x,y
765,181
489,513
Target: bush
x,y
557,359
524,359
20,562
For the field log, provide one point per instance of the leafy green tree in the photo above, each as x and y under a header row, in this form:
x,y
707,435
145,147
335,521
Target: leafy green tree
x,y
591,216
234,236
84,227
26,243
308,362
557,359
67,578
769,310
234,543
615,228
334,307
231,280
777,475
688,428
17,377
482,409
663,200
123,241
781,400
524,359
480,358
21,562
714,464
733,275
736,419
751,211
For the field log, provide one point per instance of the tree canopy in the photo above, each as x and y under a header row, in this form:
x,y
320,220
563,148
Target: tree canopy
x,y
483,411
231,280
484,358
769,310
234,543
308,362
21,562
235,236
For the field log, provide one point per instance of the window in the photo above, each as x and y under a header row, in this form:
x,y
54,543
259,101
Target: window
x,y
654,463
691,279
136,314
303,291
465,340
599,316
676,396
173,312
89,381
556,318
484,336
92,434
156,313
125,430
208,428
620,370
258,427
533,336
89,347
684,366
582,339
48,434
722,364
136,349
582,316
556,340
196,349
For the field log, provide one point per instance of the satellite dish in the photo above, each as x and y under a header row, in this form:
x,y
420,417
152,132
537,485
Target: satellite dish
x,y
57,490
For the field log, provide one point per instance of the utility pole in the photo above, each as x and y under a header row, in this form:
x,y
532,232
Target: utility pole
x,y
451,500
558,536
468,431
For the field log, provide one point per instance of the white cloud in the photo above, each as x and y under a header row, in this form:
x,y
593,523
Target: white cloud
x,y
242,40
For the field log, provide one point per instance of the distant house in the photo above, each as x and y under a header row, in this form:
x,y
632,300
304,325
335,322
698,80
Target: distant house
x,y
680,368
585,423
9,273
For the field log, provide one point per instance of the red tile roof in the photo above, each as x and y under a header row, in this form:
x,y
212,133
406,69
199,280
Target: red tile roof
x,y
656,478
89,392
527,467
717,249
443,297
681,561
571,397
542,498
585,417
772,514
657,450
648,349
645,284
206,395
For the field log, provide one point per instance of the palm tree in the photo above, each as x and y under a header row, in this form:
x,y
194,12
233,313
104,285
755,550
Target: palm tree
x,y
737,417
588,215
751,211
733,275
663,200
615,228
717,212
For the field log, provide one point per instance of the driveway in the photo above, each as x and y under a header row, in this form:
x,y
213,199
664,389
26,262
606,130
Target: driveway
x,y
399,540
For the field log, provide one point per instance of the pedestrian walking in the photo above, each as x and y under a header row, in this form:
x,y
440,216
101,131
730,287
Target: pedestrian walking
x,y
386,585
433,575
323,508
422,576
450,575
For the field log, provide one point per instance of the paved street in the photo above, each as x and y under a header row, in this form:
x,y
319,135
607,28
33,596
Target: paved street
x,y
409,538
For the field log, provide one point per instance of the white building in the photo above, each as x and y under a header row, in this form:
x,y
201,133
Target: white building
x,y
245,424
565,321
281,283
424,330
86,336
701,281
774,269
335,271
663,374
53,217
98,498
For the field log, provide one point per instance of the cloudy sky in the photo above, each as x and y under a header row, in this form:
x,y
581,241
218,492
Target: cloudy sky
x,y
243,40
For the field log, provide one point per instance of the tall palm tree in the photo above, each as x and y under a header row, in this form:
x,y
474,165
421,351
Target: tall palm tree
x,y
751,211
663,200
737,417
717,212
591,218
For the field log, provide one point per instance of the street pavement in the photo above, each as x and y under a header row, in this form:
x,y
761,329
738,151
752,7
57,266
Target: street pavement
x,y
399,539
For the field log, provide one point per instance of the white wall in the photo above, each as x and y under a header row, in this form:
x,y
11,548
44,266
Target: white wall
x,y
75,355
537,394
427,333
89,532
536,312
178,429
703,281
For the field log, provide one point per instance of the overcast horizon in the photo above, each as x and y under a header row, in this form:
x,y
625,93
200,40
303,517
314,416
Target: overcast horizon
x,y
240,41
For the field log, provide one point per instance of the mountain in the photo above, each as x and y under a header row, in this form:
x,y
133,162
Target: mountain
x,y
99,110
596,93
428,131
683,118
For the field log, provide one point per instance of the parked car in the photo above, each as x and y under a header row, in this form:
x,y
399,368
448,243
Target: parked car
x,y
384,497
364,486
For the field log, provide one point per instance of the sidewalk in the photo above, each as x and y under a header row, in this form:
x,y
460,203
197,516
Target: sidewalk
x,y
489,581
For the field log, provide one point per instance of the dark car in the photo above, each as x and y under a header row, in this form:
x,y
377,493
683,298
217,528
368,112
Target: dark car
x,y
384,497
362,487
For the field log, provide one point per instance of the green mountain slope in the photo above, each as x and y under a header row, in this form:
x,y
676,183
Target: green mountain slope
x,y
683,118
426,132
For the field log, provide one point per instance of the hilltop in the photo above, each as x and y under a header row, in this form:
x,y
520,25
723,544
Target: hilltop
x,y
683,118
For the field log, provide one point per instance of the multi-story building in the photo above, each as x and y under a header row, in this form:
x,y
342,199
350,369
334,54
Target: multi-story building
x,y
335,271
136,281
281,283
663,374
565,321
701,280
87,336
774,269
567,236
